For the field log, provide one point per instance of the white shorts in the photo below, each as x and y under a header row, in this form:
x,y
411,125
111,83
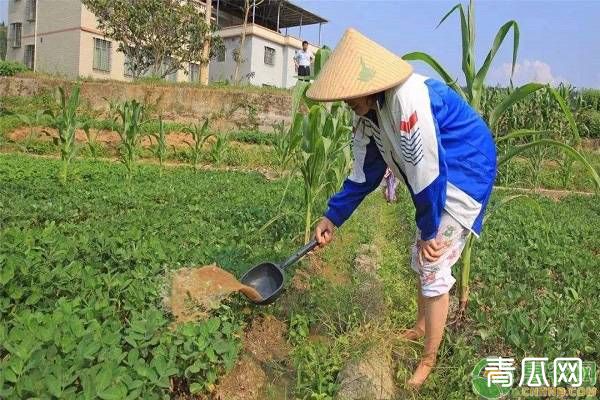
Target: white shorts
x,y
436,277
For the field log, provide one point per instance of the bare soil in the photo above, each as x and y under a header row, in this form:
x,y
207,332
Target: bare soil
x,y
244,382
105,137
266,339
263,342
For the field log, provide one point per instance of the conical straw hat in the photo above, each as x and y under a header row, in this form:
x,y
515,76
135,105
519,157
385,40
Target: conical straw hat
x,y
358,67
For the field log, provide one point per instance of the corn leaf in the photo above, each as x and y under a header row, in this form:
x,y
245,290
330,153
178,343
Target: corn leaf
x,y
426,58
519,133
568,150
502,32
568,113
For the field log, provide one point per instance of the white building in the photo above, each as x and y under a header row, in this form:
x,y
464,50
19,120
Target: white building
x,y
62,37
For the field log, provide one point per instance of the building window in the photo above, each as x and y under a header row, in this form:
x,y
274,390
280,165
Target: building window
x,y
30,8
102,55
29,56
269,56
15,34
194,72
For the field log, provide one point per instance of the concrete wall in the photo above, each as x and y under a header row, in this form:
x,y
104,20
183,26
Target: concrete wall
x,y
224,70
228,108
265,74
58,37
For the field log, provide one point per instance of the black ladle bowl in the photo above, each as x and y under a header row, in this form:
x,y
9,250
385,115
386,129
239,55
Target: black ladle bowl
x,y
268,278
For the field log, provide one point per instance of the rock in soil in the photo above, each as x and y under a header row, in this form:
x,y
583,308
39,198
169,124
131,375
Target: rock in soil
x,y
244,382
265,339
369,378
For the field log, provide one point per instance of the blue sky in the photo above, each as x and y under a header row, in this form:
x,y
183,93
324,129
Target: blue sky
x,y
560,39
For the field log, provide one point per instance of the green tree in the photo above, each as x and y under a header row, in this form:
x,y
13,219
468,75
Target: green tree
x,y
2,41
157,36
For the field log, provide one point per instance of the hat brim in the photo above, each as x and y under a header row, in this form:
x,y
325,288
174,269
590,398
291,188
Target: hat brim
x,y
358,67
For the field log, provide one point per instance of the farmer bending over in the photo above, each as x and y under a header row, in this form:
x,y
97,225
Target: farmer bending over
x,y
425,132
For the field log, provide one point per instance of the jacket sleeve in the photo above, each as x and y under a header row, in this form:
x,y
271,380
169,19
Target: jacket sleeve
x,y
423,154
367,172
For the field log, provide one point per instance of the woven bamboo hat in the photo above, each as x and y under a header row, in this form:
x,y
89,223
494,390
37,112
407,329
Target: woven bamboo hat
x,y
358,67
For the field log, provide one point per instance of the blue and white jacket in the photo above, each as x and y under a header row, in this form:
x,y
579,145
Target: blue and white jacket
x,y
426,133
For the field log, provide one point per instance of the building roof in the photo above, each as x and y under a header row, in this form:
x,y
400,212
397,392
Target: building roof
x,y
266,13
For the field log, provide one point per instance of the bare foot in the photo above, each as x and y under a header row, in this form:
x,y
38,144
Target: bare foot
x,y
422,372
414,333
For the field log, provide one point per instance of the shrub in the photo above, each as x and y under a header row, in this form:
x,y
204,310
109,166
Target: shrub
x,y
10,68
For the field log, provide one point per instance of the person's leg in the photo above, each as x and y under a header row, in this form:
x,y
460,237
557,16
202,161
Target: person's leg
x,y
436,313
418,330
436,280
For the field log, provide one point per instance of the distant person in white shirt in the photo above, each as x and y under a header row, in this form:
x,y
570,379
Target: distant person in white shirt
x,y
303,60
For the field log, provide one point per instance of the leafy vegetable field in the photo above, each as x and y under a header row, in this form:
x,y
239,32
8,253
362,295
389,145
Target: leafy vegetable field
x,y
83,272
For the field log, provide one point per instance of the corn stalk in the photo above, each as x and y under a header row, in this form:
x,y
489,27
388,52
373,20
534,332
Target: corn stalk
x,y
66,121
199,135
129,118
324,157
161,143
219,149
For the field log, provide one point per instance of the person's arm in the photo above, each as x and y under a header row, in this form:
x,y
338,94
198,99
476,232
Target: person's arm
x,y
368,170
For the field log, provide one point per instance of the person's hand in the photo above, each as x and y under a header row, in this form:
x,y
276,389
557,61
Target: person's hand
x,y
324,232
430,250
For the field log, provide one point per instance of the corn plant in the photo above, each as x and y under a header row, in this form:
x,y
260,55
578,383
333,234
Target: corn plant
x,y
66,121
324,157
475,78
129,118
219,149
199,135
160,150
